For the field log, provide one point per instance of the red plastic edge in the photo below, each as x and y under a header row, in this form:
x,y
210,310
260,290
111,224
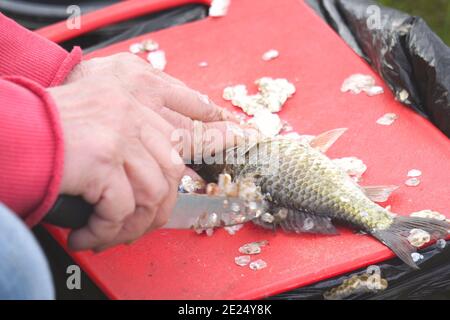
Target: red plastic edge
x,y
119,12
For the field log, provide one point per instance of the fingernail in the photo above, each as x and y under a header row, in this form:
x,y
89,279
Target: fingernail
x,y
229,116
236,130
204,98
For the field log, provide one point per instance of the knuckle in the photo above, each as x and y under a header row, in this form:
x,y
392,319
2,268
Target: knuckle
x,y
142,77
161,191
133,228
126,209
111,149
217,113
175,171
211,113
157,192
206,113
178,169
131,234
160,220
120,97
124,57
123,61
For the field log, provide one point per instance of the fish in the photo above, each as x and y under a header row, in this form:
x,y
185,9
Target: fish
x,y
307,193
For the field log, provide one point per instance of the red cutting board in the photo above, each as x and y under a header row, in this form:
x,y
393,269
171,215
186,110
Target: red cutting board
x,y
169,264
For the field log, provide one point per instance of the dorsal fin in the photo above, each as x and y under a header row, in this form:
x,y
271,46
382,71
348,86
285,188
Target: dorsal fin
x,y
325,140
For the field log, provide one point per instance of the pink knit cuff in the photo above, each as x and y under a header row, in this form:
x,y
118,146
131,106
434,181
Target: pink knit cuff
x,y
32,149
72,59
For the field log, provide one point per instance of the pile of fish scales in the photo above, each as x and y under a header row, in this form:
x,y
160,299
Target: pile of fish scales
x,y
272,95
358,83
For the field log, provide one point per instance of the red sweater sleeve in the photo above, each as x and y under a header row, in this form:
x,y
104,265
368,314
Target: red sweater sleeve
x,y
31,148
24,53
31,142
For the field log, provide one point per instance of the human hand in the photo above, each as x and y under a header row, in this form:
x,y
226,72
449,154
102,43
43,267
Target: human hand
x,y
174,101
119,154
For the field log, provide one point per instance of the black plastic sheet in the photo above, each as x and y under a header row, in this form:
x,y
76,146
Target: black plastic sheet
x,y
135,27
432,281
408,55
34,14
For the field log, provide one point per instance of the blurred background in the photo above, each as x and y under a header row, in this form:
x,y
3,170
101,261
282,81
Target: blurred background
x,y
435,12
37,13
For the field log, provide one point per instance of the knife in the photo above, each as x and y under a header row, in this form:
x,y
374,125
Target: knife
x,y
73,212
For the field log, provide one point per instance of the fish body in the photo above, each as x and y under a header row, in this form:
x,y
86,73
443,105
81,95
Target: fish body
x,y
306,180
307,191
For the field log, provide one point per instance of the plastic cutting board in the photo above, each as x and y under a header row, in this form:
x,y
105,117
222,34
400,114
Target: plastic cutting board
x,y
173,264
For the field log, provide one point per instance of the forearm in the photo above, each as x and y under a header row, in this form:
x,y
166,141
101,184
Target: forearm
x,y
24,53
31,148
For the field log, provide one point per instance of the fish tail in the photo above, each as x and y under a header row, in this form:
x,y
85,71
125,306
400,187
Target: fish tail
x,y
396,236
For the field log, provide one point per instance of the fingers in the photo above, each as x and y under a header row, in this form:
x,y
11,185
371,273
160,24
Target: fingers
x,y
196,139
169,91
168,77
134,184
148,84
149,116
150,188
154,170
194,104
172,167
116,203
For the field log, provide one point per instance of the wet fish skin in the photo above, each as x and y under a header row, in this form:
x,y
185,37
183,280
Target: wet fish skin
x,y
307,182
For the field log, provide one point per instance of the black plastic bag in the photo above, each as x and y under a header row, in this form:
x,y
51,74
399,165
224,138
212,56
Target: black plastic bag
x,y
407,54
432,281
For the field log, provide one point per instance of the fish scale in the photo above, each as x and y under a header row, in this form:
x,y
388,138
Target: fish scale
x,y
312,188
307,180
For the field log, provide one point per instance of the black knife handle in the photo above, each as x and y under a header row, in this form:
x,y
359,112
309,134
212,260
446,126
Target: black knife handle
x,y
70,212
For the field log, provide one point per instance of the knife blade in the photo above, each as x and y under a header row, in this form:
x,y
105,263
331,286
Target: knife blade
x,y
73,212
190,206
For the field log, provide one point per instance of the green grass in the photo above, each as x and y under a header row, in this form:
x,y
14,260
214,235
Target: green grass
x,y
435,12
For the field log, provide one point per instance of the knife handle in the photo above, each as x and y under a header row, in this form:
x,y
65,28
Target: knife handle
x,y
70,212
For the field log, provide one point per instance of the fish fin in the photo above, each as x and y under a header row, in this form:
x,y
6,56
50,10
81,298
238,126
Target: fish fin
x,y
325,140
241,150
396,236
379,193
301,222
